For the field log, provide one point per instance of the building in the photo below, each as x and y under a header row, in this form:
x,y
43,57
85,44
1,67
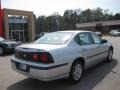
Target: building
x,y
1,14
102,26
17,25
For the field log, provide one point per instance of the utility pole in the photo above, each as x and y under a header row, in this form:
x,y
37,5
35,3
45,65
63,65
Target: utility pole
x,y
93,16
57,21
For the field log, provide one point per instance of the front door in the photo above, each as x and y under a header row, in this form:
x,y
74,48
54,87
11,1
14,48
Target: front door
x,y
102,48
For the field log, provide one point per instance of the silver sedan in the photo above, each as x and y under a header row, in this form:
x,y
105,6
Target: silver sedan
x,y
62,54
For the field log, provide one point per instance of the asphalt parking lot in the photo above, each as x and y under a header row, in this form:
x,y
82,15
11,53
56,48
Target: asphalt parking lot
x,y
105,76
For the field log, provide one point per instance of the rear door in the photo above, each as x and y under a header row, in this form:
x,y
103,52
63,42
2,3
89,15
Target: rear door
x,y
89,48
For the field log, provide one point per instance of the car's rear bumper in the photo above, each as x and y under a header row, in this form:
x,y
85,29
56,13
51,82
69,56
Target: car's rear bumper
x,y
43,73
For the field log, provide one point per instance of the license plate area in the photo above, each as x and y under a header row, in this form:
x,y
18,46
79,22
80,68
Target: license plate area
x,y
22,67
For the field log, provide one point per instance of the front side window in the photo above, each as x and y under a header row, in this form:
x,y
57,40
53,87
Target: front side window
x,y
96,38
55,38
85,39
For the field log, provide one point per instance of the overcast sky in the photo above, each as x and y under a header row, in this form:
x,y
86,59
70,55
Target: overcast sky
x,y
48,7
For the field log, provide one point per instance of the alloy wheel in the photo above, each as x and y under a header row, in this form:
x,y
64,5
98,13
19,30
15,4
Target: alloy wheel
x,y
76,71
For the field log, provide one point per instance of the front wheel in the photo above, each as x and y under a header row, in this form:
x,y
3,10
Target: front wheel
x,y
110,55
76,72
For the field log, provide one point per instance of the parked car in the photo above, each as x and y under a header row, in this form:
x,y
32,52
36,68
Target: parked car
x,y
114,33
99,33
7,45
40,35
62,54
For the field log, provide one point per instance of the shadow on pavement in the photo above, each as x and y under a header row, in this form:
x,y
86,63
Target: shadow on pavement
x,y
90,79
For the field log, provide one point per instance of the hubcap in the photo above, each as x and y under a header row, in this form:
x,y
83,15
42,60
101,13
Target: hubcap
x,y
110,55
1,50
77,72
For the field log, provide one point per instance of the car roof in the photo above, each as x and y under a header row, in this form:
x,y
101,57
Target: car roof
x,y
75,31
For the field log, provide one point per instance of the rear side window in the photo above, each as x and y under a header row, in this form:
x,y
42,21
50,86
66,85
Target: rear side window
x,y
84,39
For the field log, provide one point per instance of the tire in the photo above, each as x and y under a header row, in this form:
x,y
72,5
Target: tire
x,y
1,50
110,55
76,72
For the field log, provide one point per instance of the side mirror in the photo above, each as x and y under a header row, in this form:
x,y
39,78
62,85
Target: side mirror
x,y
104,41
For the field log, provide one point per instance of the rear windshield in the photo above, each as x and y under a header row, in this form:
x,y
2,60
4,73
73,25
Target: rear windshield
x,y
55,38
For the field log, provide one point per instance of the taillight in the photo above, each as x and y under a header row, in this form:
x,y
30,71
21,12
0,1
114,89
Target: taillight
x,y
17,54
35,57
42,57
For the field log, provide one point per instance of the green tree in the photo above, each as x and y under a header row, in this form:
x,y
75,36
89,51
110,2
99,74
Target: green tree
x,y
97,14
40,24
117,16
70,19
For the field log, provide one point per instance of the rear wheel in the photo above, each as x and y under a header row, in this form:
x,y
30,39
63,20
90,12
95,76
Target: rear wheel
x,y
1,50
76,72
110,55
